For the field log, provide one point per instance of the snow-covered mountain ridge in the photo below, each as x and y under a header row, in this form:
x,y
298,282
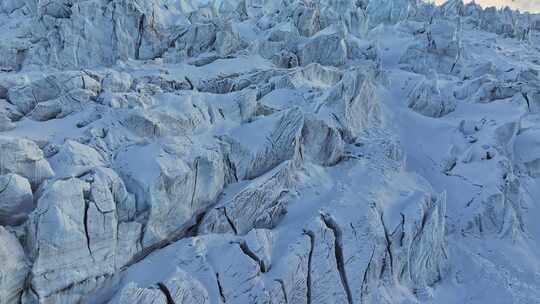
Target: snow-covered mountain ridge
x,y
268,151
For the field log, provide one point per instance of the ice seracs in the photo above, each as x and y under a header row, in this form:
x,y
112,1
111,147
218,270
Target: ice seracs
x,y
14,269
16,199
369,151
427,98
25,158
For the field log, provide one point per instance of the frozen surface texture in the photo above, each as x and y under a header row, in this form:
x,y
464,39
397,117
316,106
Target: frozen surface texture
x,y
268,151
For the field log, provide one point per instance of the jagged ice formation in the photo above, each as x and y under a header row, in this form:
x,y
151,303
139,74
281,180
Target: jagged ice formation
x,y
268,151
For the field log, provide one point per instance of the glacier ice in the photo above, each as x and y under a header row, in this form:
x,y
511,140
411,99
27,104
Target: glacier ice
x,y
268,151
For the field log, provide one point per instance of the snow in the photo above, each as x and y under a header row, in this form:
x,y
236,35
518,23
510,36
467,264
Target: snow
x,y
228,151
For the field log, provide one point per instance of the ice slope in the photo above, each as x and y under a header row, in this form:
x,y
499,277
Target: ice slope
x,y
165,151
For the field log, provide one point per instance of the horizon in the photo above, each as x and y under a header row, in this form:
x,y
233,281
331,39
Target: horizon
x,y
522,5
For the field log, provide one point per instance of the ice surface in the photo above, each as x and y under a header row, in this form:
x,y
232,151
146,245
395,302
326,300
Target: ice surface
x,y
268,151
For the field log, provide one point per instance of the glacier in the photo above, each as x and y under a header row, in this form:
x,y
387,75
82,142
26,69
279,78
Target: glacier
x,y
398,159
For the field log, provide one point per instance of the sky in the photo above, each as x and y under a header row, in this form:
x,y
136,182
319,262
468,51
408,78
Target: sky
x,y
523,5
